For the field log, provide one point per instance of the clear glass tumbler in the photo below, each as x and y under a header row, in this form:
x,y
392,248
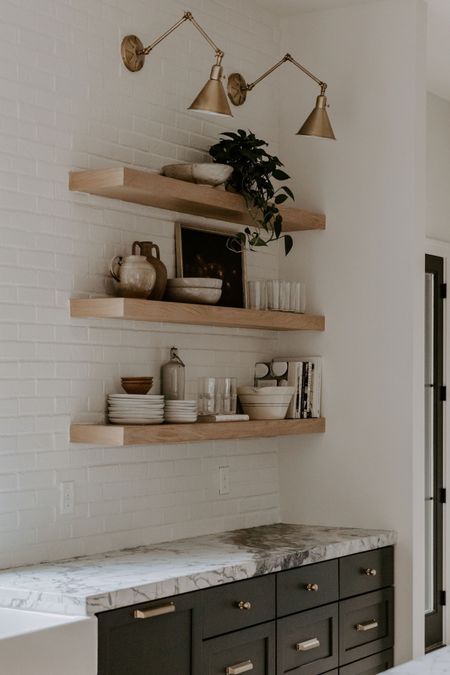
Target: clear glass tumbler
x,y
273,294
226,398
207,395
296,296
285,296
256,295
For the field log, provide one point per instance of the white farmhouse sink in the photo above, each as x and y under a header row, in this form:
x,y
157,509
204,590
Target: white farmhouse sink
x,y
47,644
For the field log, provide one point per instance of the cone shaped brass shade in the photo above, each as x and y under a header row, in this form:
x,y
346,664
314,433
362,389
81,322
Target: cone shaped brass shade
x,y
212,98
318,123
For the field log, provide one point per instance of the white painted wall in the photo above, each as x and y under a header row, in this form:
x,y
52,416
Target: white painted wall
x,y
438,168
365,273
67,102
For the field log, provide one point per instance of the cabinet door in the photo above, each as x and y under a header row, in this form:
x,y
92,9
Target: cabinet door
x,y
366,625
307,643
366,572
251,650
240,604
307,587
372,665
153,637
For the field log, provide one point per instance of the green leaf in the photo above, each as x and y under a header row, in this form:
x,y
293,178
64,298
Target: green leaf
x,y
288,243
280,199
280,175
277,226
288,191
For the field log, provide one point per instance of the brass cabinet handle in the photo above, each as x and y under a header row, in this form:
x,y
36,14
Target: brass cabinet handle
x,y
367,625
157,611
312,587
370,572
244,605
307,645
239,668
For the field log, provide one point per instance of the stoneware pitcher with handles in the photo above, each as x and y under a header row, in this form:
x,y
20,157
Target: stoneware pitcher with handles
x,y
146,249
135,276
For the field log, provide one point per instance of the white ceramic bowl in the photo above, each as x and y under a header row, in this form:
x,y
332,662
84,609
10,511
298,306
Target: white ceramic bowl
x,y
204,173
248,400
266,391
194,282
266,412
200,296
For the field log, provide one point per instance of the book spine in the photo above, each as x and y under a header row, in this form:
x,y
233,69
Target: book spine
x,y
304,386
317,389
310,387
292,381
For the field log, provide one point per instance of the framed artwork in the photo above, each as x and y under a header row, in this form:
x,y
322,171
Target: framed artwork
x,y
203,252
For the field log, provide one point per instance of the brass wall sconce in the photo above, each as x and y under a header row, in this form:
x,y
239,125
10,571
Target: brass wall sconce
x,y
317,123
212,98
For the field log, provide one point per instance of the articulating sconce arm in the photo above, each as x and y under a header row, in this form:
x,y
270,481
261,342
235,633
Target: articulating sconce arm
x,y
238,87
134,52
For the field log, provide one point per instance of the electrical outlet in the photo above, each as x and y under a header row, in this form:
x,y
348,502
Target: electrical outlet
x,y
224,480
67,505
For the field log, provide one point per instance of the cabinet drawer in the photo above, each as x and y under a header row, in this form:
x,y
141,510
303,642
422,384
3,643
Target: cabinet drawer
x,y
248,651
307,643
365,572
307,587
239,605
366,625
372,665
134,640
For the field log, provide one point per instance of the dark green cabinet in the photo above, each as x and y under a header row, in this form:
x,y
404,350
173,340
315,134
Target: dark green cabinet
x,y
151,638
334,617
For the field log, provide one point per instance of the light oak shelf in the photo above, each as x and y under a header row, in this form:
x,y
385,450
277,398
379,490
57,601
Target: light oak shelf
x,y
152,189
115,435
195,315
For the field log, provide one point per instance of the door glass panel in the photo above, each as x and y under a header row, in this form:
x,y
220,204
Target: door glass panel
x,y
429,443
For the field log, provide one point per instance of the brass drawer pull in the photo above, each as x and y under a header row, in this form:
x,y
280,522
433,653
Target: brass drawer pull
x,y
307,645
157,611
368,625
244,605
239,668
311,587
370,572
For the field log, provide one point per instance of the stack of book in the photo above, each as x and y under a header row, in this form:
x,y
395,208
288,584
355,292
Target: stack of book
x,y
305,374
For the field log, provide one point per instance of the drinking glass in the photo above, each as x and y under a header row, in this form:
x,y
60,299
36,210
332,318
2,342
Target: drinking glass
x,y
273,294
207,390
295,296
285,296
226,398
256,297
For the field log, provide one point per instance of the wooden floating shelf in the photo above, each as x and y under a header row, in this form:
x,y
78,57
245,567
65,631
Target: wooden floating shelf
x,y
152,189
115,435
196,315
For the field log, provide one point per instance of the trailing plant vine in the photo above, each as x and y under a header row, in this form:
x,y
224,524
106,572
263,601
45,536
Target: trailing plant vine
x,y
252,176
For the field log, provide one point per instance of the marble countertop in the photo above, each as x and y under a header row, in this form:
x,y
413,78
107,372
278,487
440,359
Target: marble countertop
x,y
434,663
87,585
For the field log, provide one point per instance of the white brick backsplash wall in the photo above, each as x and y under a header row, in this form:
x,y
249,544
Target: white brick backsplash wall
x,y
66,102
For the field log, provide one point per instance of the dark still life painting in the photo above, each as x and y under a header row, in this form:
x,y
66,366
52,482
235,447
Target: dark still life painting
x,y
205,253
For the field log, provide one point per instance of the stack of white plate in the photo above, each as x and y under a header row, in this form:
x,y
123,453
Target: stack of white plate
x,y
180,411
135,409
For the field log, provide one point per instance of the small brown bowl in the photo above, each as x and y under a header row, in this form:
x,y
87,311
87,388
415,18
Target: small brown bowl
x,y
137,385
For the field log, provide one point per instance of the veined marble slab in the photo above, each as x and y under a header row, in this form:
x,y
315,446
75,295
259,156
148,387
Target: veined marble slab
x,y
87,585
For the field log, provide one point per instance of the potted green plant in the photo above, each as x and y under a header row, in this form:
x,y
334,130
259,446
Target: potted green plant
x,y
253,171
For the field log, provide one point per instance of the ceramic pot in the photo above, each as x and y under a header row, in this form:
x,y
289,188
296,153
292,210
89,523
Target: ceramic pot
x,y
134,274
146,249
